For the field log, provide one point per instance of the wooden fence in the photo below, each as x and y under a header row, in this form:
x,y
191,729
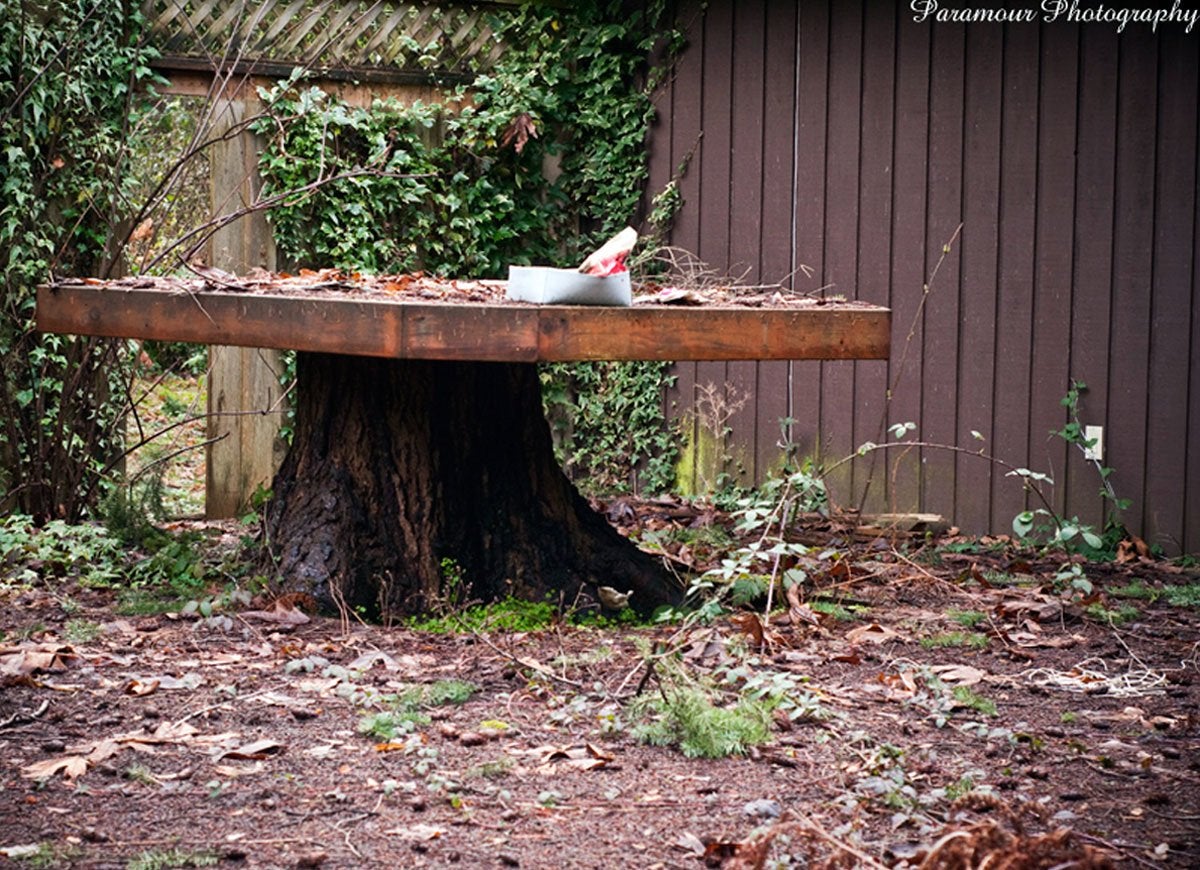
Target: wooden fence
x,y
853,140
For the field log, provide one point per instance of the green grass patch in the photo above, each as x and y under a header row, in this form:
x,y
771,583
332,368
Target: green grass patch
x,y
1137,589
967,618
448,692
839,611
964,696
162,859
510,614
1121,615
1183,596
686,717
81,631
954,639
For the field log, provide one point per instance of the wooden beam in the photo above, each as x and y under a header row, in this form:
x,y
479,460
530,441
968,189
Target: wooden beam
x,y
363,325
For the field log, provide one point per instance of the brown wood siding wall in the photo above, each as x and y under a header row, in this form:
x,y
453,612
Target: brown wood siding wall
x,y
852,141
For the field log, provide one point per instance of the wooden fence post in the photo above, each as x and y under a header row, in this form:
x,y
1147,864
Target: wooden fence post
x,y
245,402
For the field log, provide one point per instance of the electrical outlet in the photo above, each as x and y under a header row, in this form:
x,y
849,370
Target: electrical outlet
x,y
1095,434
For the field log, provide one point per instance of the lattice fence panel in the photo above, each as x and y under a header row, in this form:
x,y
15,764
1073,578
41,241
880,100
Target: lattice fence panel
x,y
437,38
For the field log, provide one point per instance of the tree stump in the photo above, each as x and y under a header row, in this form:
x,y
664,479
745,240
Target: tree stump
x,y
406,477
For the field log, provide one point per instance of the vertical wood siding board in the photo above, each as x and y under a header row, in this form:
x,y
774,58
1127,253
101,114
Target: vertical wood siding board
x,y
977,312
686,125
910,165
714,168
776,217
1016,250
941,313
877,178
1133,251
1091,298
660,165
811,111
843,161
745,197
1191,541
1170,328
1054,233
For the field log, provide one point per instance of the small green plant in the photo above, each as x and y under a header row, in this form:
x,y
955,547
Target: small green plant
x,y
1068,717
495,769
964,786
448,692
840,612
1183,596
1137,589
84,551
686,717
965,696
509,614
163,859
1126,613
1045,526
139,773
951,639
387,725
967,618
81,631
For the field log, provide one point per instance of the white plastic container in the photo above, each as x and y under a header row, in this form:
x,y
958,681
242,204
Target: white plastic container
x,y
549,286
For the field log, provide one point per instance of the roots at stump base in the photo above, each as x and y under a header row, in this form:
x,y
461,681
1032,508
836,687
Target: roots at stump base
x,y
404,474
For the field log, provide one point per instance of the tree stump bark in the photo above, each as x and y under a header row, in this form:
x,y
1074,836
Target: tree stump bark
x,y
406,477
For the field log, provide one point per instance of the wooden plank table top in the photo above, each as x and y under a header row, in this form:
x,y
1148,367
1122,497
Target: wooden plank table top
x,y
377,325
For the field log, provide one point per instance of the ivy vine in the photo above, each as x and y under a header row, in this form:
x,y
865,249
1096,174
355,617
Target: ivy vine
x,y
72,76
543,158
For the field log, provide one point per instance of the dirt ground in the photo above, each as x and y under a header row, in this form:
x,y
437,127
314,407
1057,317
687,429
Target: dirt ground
x,y
952,707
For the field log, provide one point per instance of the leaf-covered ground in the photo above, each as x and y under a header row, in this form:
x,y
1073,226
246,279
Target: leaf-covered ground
x,y
941,704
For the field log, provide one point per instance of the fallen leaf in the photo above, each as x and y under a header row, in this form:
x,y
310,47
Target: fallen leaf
x,y
750,625
256,750
873,633
30,658
959,675
139,688
233,771
281,614
689,842
72,767
419,832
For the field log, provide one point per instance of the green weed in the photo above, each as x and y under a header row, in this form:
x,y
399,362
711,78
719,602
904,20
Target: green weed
x,y
1113,616
81,631
496,769
951,639
163,859
840,612
687,718
510,614
967,618
1137,589
448,692
1183,596
965,696
390,724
